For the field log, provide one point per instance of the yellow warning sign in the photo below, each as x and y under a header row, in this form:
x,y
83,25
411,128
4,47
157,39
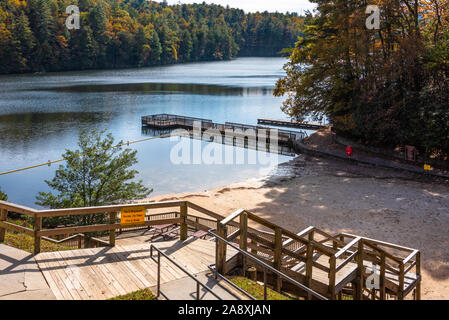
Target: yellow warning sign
x,y
132,215
427,167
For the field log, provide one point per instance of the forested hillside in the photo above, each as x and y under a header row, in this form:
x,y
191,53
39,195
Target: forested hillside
x,y
134,33
386,87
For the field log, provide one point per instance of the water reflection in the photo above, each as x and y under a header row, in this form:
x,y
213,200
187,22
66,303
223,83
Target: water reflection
x,y
40,116
163,88
282,149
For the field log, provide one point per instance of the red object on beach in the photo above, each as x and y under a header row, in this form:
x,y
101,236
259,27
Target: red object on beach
x,y
349,151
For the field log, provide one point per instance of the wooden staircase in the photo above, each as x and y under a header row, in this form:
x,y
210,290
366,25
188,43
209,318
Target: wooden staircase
x,y
336,267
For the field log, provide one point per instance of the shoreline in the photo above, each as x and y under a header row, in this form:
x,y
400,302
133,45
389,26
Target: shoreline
x,y
338,196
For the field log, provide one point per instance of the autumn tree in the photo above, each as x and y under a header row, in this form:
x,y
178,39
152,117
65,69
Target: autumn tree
x,y
387,87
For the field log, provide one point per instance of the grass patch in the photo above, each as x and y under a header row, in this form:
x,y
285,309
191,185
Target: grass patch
x,y
144,294
26,243
256,290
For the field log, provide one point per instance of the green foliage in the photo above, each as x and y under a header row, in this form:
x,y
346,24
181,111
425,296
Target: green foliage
x,y
96,174
3,196
134,33
140,295
386,87
257,290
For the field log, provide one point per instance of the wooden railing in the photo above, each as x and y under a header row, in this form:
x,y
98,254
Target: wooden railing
x,y
278,247
38,232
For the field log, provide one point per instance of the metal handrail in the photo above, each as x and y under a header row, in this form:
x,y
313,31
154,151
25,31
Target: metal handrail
x,y
198,283
213,268
266,267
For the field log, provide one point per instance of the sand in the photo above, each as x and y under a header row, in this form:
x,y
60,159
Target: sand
x,y
337,196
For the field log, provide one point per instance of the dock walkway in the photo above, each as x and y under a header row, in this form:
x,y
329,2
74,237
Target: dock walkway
x,y
170,122
292,124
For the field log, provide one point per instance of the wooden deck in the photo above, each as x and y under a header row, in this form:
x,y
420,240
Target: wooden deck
x,y
103,273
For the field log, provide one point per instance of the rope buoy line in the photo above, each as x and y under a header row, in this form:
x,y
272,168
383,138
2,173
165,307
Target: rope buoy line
x,y
61,160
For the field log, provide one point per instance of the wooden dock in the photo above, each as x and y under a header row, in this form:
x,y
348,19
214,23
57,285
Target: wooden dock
x,y
292,124
169,122
104,273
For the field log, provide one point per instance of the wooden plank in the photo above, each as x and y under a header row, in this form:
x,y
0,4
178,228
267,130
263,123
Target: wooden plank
x,y
4,225
104,227
126,279
232,216
12,207
52,282
46,261
67,258
110,286
68,280
90,280
106,209
120,253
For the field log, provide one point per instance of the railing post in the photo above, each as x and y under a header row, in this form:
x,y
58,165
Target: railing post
x,y
382,276
401,282
360,271
332,276
244,238
197,291
158,293
221,249
309,263
37,239
278,255
79,241
418,273
265,284
112,220
3,216
183,211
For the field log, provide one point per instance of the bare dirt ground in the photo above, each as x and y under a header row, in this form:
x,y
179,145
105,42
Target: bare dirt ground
x,y
337,196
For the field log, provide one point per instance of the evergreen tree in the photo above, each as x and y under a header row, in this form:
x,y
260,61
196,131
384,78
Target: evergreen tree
x,y
94,175
3,196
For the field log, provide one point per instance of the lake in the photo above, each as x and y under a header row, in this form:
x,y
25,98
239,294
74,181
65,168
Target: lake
x,y
40,116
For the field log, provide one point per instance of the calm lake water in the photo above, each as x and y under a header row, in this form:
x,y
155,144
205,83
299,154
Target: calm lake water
x,y
40,116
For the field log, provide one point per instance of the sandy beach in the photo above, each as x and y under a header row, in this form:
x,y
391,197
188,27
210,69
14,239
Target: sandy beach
x,y
337,196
